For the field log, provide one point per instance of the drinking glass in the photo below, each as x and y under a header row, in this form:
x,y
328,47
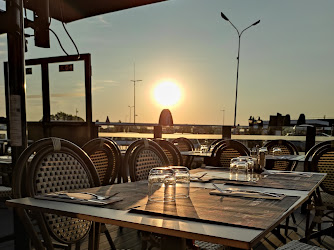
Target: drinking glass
x,y
277,151
161,184
182,178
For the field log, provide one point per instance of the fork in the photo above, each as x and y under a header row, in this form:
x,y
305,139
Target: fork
x,y
246,191
99,197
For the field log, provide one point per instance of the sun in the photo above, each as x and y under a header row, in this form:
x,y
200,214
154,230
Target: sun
x,y
167,93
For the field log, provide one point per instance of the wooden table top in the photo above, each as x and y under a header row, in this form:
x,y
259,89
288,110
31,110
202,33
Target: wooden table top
x,y
228,235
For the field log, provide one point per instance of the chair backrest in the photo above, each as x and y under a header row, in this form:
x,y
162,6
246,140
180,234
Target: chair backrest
x,y
323,162
184,144
287,148
172,152
214,143
141,157
230,149
106,157
54,165
309,154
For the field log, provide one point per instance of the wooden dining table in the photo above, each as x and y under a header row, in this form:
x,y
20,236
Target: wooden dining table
x,y
234,221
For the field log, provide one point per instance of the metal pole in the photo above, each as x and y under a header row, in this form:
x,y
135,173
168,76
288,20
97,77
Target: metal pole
x,y
238,58
236,86
134,92
16,99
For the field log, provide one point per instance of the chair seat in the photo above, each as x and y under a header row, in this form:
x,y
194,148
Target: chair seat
x,y
5,192
327,199
297,245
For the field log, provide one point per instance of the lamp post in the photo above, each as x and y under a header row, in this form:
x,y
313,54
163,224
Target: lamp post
x,y
134,92
223,110
130,111
239,35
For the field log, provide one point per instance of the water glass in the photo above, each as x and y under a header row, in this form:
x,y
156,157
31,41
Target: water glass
x,y
182,178
161,184
277,151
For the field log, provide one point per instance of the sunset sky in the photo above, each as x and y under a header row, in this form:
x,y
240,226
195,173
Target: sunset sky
x,y
286,61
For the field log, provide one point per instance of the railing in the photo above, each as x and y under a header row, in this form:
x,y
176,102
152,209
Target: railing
x,y
124,134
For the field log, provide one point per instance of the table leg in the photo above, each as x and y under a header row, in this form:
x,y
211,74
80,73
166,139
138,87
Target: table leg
x,y
94,236
170,242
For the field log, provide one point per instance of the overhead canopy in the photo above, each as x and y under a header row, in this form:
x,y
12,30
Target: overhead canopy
x,y
72,10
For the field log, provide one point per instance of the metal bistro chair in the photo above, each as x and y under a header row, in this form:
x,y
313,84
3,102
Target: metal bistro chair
x,y
106,157
54,165
107,160
172,152
323,162
228,150
287,148
309,154
146,156
184,144
140,158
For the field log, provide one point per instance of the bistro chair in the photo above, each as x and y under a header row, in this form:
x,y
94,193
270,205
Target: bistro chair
x,y
141,156
144,157
106,157
287,148
297,245
107,160
184,144
51,165
323,162
309,154
228,150
172,152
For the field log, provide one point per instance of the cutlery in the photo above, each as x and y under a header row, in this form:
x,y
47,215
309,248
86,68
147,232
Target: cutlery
x,y
200,177
244,191
99,197
66,196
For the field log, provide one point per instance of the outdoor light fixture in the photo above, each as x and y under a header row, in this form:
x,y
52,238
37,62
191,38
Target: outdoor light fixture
x,y
239,35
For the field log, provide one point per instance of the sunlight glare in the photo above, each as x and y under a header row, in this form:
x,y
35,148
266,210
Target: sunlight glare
x,y
167,93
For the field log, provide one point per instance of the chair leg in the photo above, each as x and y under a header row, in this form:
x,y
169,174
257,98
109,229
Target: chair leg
x,y
104,229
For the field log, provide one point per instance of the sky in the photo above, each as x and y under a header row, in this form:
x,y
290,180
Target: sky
x,y
286,61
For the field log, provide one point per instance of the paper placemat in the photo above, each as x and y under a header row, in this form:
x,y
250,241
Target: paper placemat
x,y
81,198
234,211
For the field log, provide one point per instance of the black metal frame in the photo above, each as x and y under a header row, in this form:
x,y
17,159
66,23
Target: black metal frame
x,y
44,62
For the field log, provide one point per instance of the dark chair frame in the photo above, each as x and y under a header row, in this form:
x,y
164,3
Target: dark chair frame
x,y
322,208
109,149
238,147
187,160
150,146
24,186
173,153
287,165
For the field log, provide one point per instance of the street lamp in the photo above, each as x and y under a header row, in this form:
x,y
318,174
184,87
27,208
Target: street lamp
x,y
223,115
130,111
134,92
239,35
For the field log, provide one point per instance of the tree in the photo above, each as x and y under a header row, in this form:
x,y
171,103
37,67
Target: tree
x,y
62,116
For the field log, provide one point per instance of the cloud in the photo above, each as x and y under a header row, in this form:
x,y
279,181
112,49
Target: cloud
x,y
107,82
102,20
34,96
99,19
57,95
68,95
